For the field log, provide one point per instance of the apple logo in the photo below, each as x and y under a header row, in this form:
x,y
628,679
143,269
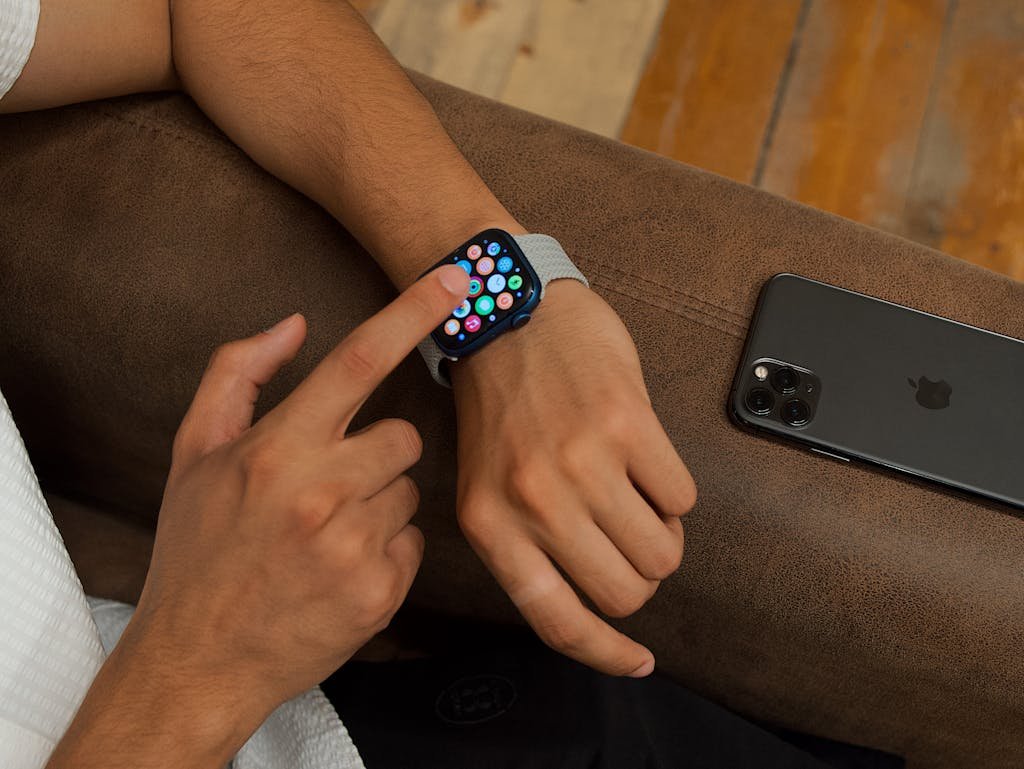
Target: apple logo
x,y
932,395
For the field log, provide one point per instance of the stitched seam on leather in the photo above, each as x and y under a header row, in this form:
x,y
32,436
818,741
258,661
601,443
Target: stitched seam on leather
x,y
742,317
679,292
684,313
167,129
196,141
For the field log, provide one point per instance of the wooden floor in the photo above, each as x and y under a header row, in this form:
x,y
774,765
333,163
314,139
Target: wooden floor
x,y
907,115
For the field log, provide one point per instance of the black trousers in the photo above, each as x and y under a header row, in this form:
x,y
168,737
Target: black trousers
x,y
520,706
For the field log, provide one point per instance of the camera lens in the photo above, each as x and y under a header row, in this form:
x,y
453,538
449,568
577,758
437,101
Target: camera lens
x,y
785,380
795,412
760,401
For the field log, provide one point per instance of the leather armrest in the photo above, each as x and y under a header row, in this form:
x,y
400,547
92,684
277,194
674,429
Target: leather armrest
x,y
831,599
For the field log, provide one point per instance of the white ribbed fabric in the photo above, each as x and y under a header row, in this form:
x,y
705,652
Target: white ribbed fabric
x,y
49,648
18,21
303,733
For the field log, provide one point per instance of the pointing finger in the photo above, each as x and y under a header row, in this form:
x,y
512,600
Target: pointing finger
x,y
336,389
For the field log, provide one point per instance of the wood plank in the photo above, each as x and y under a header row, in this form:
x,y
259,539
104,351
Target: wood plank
x,y
582,59
848,129
468,43
968,192
707,93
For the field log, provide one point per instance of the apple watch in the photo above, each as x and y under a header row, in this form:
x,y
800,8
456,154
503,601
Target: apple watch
x,y
507,277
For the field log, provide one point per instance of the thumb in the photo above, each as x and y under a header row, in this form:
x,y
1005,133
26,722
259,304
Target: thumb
x,y
223,405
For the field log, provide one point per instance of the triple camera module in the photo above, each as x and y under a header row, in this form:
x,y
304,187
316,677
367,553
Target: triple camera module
x,y
779,390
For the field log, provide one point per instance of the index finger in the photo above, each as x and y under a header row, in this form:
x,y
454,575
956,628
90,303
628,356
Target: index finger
x,y
343,380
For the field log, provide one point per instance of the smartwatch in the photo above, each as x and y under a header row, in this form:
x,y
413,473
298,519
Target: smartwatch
x,y
507,277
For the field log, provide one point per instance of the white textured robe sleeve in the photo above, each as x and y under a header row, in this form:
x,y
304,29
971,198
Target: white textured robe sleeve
x,y
49,647
18,21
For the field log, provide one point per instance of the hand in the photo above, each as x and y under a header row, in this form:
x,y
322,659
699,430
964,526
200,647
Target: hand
x,y
282,547
562,459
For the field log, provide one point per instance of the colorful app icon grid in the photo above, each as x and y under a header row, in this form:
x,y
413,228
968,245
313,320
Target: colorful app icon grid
x,y
495,287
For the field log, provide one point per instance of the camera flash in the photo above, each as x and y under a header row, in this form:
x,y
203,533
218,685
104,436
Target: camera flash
x,y
761,372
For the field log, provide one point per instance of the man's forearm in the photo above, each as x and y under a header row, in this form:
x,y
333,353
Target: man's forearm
x,y
308,91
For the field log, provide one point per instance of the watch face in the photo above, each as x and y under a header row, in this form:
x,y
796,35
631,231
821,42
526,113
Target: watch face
x,y
502,285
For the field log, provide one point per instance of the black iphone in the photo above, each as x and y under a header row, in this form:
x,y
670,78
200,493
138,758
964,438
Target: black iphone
x,y
860,378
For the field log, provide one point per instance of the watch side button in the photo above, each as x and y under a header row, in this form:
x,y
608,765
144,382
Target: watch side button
x,y
520,320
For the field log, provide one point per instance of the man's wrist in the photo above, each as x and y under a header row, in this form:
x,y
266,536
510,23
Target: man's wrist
x,y
429,247
147,710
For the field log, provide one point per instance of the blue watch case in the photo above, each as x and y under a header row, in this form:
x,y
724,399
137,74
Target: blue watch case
x,y
504,290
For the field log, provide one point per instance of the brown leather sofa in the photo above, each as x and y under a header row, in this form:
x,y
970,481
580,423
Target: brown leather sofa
x,y
827,598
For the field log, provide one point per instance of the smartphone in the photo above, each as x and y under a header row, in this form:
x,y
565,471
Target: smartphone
x,y
858,378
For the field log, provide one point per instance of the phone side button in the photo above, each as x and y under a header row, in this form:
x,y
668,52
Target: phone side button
x,y
830,455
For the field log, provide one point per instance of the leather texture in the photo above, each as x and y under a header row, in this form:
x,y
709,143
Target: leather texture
x,y
828,598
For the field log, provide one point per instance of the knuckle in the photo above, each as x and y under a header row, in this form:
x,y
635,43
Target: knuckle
x,y
408,558
477,521
406,439
415,558
562,637
576,457
683,500
381,597
617,422
350,552
182,444
410,492
665,561
258,460
230,356
358,359
688,499
313,508
624,601
531,482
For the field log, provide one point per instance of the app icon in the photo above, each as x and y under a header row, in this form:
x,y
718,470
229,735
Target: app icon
x,y
494,249
496,283
504,300
484,305
474,251
467,266
451,327
485,266
475,286
505,264
462,310
515,282
472,324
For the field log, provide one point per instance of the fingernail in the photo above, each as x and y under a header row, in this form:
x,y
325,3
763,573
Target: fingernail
x,y
454,279
644,670
280,324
